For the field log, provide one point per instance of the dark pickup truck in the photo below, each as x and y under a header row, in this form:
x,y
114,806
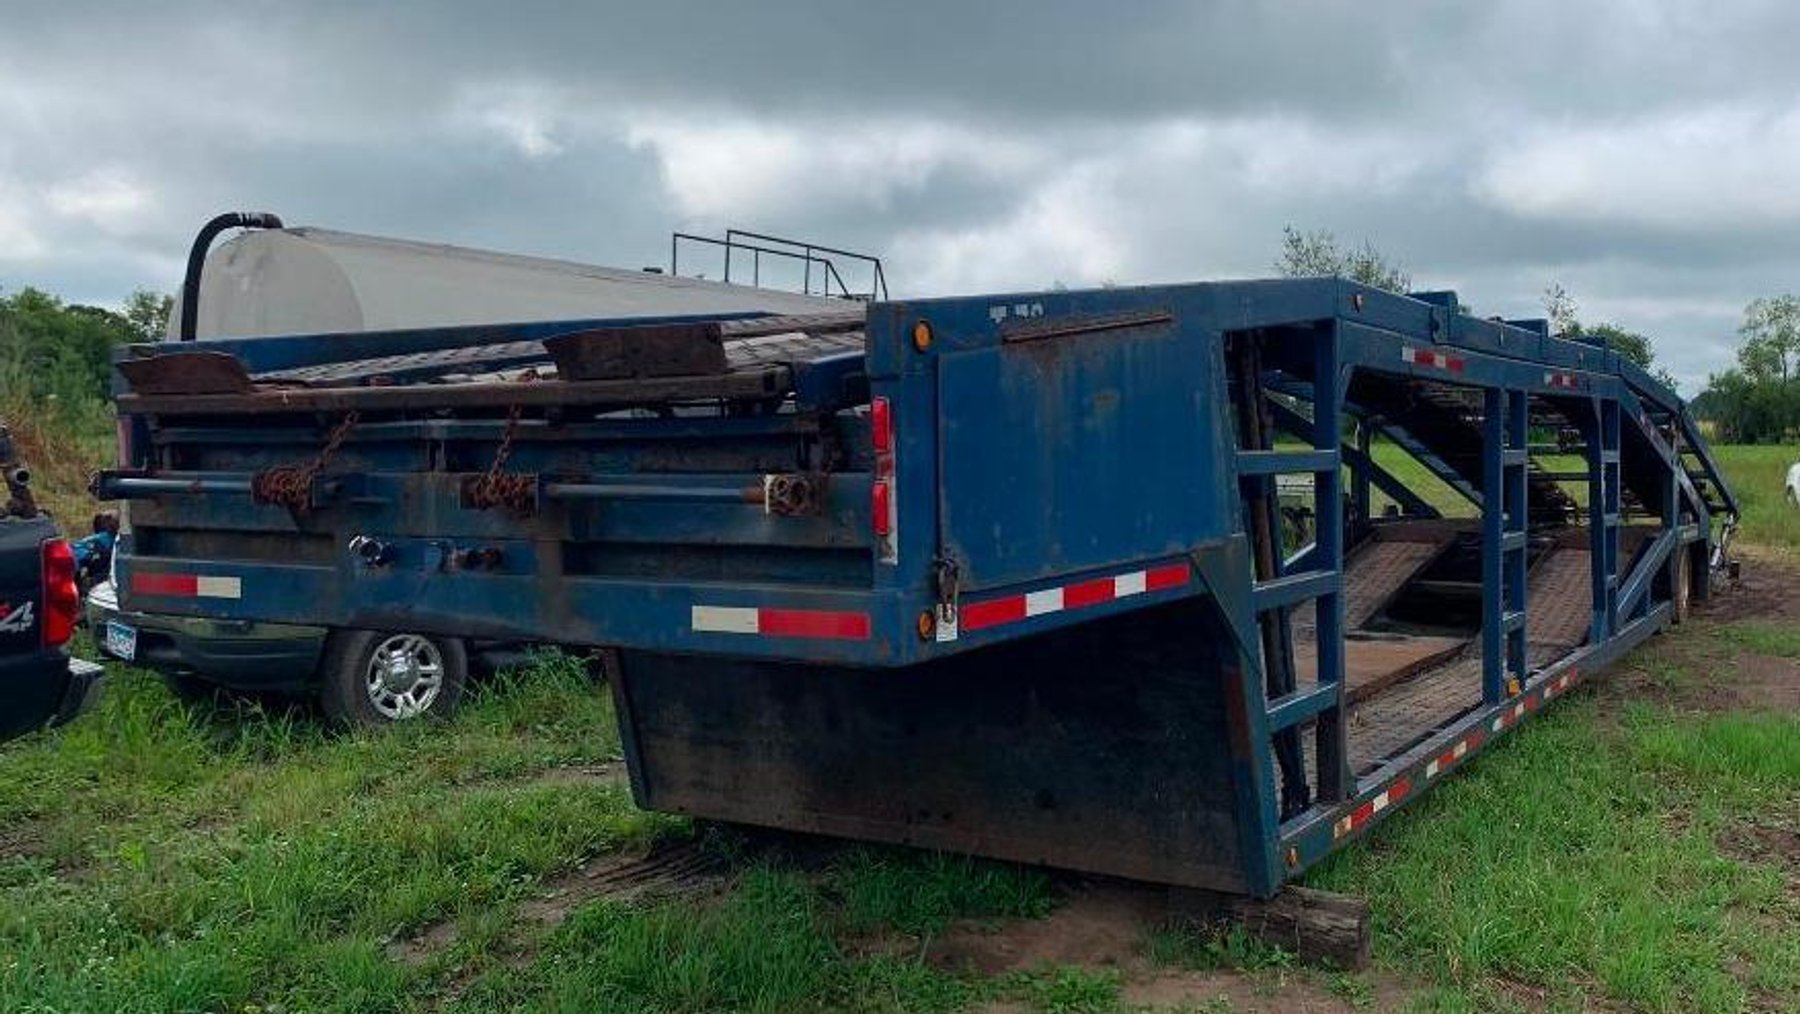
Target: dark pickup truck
x,y
39,683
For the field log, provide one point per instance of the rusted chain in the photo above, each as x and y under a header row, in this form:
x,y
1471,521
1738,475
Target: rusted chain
x,y
290,486
496,488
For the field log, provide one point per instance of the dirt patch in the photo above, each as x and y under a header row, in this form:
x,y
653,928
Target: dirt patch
x,y
1107,925
1765,843
1099,925
1253,991
665,871
1767,682
417,950
1768,589
1690,668
21,841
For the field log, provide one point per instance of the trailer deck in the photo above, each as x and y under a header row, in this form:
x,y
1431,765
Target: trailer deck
x,y
998,574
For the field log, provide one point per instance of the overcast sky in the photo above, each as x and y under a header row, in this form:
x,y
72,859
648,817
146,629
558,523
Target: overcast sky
x,y
1645,155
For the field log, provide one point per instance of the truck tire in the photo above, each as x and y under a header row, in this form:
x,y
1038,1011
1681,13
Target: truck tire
x,y
375,678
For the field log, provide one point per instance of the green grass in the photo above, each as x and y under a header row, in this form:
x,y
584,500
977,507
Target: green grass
x,y
1582,856
1757,475
167,858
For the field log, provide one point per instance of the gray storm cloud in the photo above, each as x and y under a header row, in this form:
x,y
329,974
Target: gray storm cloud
x,y
1639,153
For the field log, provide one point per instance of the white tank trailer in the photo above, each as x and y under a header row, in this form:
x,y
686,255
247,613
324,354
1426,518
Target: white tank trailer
x,y
305,280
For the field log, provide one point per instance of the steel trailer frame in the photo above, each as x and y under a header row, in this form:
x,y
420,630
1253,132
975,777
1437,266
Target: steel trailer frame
x,y
1091,426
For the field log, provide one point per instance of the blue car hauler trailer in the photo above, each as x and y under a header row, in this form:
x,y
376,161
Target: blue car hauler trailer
x,y
1003,575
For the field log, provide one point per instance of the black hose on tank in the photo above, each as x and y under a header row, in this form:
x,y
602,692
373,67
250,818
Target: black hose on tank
x,y
190,285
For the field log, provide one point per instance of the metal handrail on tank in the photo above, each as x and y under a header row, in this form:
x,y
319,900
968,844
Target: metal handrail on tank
x,y
809,254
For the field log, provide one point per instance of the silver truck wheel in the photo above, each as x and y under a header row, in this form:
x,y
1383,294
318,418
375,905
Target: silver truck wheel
x,y
404,675
380,677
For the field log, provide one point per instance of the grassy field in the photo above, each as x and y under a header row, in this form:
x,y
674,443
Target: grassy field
x,y
1637,847
1757,475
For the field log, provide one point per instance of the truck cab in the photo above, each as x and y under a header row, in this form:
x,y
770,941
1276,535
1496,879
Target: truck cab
x,y
40,684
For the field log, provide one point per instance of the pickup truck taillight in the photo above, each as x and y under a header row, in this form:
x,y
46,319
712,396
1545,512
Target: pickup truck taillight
x,y
62,599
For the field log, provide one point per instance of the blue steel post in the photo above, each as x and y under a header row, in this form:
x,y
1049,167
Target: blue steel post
x,y
1332,738
1503,525
1360,491
1493,509
1603,495
1599,628
1518,438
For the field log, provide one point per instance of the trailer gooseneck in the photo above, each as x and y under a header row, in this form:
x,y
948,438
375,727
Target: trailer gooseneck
x,y
1003,575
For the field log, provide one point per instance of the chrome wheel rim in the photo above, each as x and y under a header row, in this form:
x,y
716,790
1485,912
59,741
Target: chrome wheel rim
x,y
404,676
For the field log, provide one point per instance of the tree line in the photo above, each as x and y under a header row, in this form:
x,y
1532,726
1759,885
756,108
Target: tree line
x,y
59,354
1758,400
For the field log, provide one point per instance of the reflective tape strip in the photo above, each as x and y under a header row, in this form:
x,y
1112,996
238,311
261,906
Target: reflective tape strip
x,y
1567,381
1435,360
1078,595
1448,759
187,586
725,620
824,624
1355,819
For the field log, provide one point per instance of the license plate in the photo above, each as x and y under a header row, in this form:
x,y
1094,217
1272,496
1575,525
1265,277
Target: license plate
x,y
121,641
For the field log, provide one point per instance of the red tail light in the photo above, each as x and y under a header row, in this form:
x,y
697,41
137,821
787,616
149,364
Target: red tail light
x,y
881,507
62,600
881,426
883,518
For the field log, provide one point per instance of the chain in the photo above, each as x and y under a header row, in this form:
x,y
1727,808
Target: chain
x,y
794,495
290,486
497,489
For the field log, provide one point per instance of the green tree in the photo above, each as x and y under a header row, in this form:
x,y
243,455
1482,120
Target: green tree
x,y
1759,400
1317,254
52,350
1565,320
1560,310
148,314
1771,339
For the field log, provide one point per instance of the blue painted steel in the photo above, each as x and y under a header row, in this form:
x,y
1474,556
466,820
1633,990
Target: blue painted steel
x,y
1504,519
1363,467
1042,442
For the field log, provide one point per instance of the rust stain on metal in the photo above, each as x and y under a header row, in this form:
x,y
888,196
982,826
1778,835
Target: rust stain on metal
x,y
1036,329
187,373
658,350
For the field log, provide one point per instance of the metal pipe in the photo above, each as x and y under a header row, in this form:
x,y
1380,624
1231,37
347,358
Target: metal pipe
x,y
123,488
190,284
645,491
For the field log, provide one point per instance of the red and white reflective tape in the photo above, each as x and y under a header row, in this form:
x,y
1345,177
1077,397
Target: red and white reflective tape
x,y
1532,700
1355,819
1078,595
1461,749
187,586
1509,716
1436,360
827,624
1566,381
1446,760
